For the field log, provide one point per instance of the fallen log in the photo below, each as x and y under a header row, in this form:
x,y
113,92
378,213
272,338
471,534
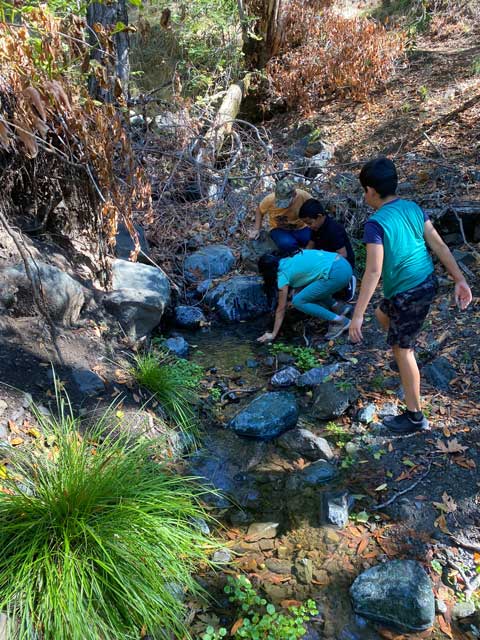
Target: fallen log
x,y
463,209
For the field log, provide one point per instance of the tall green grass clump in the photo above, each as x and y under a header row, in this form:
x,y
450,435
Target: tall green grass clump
x,y
174,383
96,538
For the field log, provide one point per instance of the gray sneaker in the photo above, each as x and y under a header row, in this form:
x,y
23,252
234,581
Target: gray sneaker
x,y
342,308
336,328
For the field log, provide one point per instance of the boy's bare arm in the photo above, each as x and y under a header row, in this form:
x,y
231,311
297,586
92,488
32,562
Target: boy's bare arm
x,y
463,295
373,271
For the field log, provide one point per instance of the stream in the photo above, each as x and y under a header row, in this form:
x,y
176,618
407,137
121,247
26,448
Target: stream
x,y
265,482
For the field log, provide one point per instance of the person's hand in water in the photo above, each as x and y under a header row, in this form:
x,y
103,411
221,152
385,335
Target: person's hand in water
x,y
254,234
267,337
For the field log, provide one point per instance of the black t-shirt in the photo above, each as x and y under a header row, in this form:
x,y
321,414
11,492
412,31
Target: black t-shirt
x,y
331,237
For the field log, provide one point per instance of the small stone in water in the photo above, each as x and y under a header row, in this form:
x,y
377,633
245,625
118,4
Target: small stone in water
x,y
258,530
223,556
251,364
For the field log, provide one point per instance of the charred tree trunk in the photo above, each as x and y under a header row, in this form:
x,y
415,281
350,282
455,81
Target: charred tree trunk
x,y
268,30
112,53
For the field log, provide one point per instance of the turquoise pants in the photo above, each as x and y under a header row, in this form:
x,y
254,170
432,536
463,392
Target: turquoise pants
x,y
316,298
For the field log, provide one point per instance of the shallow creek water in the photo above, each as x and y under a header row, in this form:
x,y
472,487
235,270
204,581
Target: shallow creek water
x,y
259,484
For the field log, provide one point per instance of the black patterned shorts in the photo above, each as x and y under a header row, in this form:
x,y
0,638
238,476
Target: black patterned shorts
x,y
407,312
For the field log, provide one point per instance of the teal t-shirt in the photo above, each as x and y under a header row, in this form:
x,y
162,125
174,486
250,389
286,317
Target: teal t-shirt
x,y
407,262
305,267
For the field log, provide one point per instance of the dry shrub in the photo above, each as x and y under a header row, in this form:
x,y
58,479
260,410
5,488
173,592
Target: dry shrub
x,y
49,111
339,56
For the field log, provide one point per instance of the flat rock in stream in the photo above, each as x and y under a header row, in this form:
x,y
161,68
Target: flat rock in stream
x,y
239,298
285,377
317,375
189,317
397,593
316,474
330,400
266,417
439,373
306,444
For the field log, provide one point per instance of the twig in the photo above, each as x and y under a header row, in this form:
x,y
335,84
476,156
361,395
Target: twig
x,y
462,231
401,493
433,145
466,545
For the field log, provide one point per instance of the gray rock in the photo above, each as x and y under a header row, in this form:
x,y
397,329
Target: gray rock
x,y
189,317
267,416
466,257
124,244
285,377
304,570
240,298
139,297
367,413
3,406
88,382
138,311
387,409
439,373
318,473
253,250
317,375
262,531
330,401
463,609
222,556
278,565
251,363
306,444
440,606
201,525
398,592
335,508
64,297
210,262
179,346
133,275
285,358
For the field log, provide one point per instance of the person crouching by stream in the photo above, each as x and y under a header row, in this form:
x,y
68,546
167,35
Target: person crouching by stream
x,y
288,232
319,275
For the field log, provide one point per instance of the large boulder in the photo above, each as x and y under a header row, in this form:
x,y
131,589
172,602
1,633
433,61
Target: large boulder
x,y
267,416
63,296
138,311
253,250
330,400
240,298
210,262
124,244
397,593
139,297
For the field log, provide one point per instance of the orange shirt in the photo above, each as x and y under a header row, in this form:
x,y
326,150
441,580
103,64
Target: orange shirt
x,y
284,218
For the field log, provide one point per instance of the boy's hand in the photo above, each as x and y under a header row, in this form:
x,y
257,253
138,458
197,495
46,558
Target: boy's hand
x,y
254,234
463,295
355,330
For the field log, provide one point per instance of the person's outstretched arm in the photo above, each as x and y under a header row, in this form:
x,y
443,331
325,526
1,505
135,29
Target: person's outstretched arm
x,y
373,271
463,294
279,315
255,232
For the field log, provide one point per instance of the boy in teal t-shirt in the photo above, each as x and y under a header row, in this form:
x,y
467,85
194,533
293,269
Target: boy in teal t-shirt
x,y
397,236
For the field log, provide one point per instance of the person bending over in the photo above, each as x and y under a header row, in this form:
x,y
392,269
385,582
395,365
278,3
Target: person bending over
x,y
319,274
328,235
287,230
397,236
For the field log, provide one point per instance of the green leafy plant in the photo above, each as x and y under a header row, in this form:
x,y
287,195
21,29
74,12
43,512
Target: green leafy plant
x,y
215,394
305,357
344,385
259,618
423,92
360,252
97,539
173,381
378,382
342,436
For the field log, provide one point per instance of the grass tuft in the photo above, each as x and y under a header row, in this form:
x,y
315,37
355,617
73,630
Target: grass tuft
x,y
96,539
174,382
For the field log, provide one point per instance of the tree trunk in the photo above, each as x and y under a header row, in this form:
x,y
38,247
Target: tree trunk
x,y
117,64
268,31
